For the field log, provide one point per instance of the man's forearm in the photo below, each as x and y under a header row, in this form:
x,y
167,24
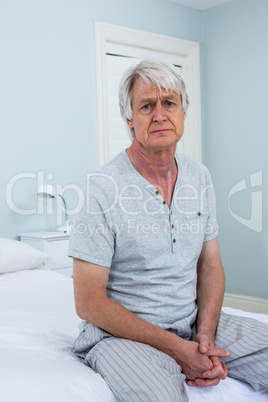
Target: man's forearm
x,y
210,292
114,318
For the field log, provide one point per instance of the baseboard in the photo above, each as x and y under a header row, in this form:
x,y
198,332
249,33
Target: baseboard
x,y
246,303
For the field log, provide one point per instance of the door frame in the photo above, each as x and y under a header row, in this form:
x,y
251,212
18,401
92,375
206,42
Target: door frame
x,y
107,35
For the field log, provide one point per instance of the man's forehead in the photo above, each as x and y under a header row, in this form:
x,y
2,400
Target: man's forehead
x,y
150,90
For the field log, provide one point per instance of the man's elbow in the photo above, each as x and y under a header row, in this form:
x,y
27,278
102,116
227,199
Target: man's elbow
x,y
88,308
81,310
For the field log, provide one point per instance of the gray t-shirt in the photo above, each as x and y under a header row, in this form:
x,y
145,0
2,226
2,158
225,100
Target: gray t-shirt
x,y
151,249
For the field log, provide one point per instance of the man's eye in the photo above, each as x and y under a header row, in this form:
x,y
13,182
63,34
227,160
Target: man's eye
x,y
146,107
168,103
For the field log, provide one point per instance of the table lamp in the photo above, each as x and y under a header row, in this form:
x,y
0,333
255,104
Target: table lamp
x,y
47,191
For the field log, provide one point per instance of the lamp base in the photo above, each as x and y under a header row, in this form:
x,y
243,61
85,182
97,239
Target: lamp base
x,y
64,229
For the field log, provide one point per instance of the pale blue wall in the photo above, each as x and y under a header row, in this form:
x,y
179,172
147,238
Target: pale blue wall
x,y
47,96
48,114
235,132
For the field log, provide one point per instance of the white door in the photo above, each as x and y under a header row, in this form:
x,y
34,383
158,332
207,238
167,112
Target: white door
x,y
117,48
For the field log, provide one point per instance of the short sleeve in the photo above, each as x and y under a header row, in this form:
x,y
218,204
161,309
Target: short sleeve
x,y
91,235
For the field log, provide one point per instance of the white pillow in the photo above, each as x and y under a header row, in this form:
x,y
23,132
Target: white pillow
x,y
16,256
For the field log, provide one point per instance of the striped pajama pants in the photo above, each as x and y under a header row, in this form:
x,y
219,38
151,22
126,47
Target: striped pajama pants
x,y
137,372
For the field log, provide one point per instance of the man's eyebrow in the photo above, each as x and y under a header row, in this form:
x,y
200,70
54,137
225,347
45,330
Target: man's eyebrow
x,y
147,100
169,96
152,100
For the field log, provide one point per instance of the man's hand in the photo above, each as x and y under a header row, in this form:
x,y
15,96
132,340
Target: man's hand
x,y
218,371
205,367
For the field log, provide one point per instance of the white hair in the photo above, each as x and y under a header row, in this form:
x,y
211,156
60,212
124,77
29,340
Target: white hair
x,y
162,74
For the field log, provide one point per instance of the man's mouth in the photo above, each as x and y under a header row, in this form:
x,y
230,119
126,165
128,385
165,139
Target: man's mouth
x,y
160,130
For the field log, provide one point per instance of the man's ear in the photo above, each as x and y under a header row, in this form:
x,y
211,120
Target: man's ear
x,y
130,123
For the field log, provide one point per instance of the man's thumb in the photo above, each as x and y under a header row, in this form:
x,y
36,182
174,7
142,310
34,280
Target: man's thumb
x,y
203,346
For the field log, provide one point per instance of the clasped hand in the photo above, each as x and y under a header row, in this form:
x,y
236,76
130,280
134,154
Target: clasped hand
x,y
200,362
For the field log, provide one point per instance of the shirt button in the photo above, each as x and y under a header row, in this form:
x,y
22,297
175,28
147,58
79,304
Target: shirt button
x,y
157,192
174,240
199,213
172,226
164,202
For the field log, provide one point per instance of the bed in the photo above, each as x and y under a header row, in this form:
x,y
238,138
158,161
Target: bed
x,y
38,326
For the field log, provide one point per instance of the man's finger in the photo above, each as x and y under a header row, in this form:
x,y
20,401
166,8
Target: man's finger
x,y
207,382
218,352
216,372
225,371
199,382
219,370
191,383
204,345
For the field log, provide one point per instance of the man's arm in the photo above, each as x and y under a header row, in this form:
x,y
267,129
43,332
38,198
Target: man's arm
x,y
210,288
93,305
210,292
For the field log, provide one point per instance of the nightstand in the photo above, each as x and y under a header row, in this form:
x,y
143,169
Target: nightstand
x,y
54,244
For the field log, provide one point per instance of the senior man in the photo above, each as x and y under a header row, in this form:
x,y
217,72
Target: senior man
x,y
148,278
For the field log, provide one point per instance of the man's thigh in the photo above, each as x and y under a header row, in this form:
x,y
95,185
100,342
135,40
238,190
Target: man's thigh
x,y
247,339
137,372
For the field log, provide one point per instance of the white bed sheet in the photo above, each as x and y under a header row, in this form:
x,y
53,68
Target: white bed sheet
x,y
38,326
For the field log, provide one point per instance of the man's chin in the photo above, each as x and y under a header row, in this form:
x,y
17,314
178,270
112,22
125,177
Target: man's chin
x,y
163,140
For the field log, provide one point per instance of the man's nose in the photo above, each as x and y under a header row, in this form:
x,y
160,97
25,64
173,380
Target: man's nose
x,y
159,113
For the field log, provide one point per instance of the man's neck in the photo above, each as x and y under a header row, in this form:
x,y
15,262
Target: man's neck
x,y
159,168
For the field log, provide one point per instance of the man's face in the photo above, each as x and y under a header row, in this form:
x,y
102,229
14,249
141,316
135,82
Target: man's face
x,y
158,119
